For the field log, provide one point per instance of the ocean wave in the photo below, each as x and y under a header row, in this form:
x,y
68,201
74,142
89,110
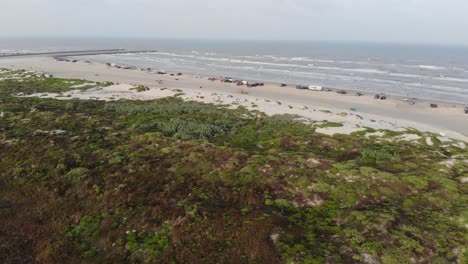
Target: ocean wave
x,y
174,54
248,68
323,60
399,78
451,79
407,75
265,63
248,57
270,56
353,62
431,67
366,70
7,51
276,64
19,51
305,59
438,88
298,59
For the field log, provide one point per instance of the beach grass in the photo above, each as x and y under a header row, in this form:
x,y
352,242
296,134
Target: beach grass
x,y
174,181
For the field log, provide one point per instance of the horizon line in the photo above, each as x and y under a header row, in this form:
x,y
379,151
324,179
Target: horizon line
x,y
333,41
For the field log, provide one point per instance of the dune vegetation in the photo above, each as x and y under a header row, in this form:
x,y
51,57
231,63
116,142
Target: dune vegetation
x,y
168,181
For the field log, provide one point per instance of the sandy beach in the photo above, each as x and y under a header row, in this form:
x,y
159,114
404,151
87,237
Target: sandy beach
x,y
448,120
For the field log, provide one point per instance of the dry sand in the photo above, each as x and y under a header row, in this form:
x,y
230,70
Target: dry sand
x,y
448,120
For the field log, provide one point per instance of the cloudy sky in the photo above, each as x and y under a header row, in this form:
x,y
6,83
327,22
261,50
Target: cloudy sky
x,y
409,21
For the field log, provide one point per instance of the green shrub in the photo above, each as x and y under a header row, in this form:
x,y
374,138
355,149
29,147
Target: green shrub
x,y
78,172
87,228
375,154
147,246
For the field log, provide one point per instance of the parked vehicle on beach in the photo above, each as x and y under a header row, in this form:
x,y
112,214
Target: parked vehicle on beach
x,y
359,94
315,88
283,85
434,106
380,96
341,92
302,87
327,89
466,109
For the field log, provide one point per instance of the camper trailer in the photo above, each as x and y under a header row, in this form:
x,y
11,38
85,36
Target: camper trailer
x,y
315,88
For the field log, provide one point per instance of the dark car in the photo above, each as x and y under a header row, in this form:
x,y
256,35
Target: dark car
x,y
466,109
341,92
302,87
283,85
380,96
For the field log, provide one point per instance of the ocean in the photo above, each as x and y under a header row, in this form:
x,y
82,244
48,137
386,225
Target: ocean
x,y
421,71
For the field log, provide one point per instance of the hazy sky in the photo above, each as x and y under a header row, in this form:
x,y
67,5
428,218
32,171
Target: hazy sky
x,y
415,21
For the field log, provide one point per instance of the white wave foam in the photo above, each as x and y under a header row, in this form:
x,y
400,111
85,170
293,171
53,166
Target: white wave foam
x,y
298,59
451,79
366,70
407,75
431,67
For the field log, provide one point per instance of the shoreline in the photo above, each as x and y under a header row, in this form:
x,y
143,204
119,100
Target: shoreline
x,y
351,92
348,86
448,118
